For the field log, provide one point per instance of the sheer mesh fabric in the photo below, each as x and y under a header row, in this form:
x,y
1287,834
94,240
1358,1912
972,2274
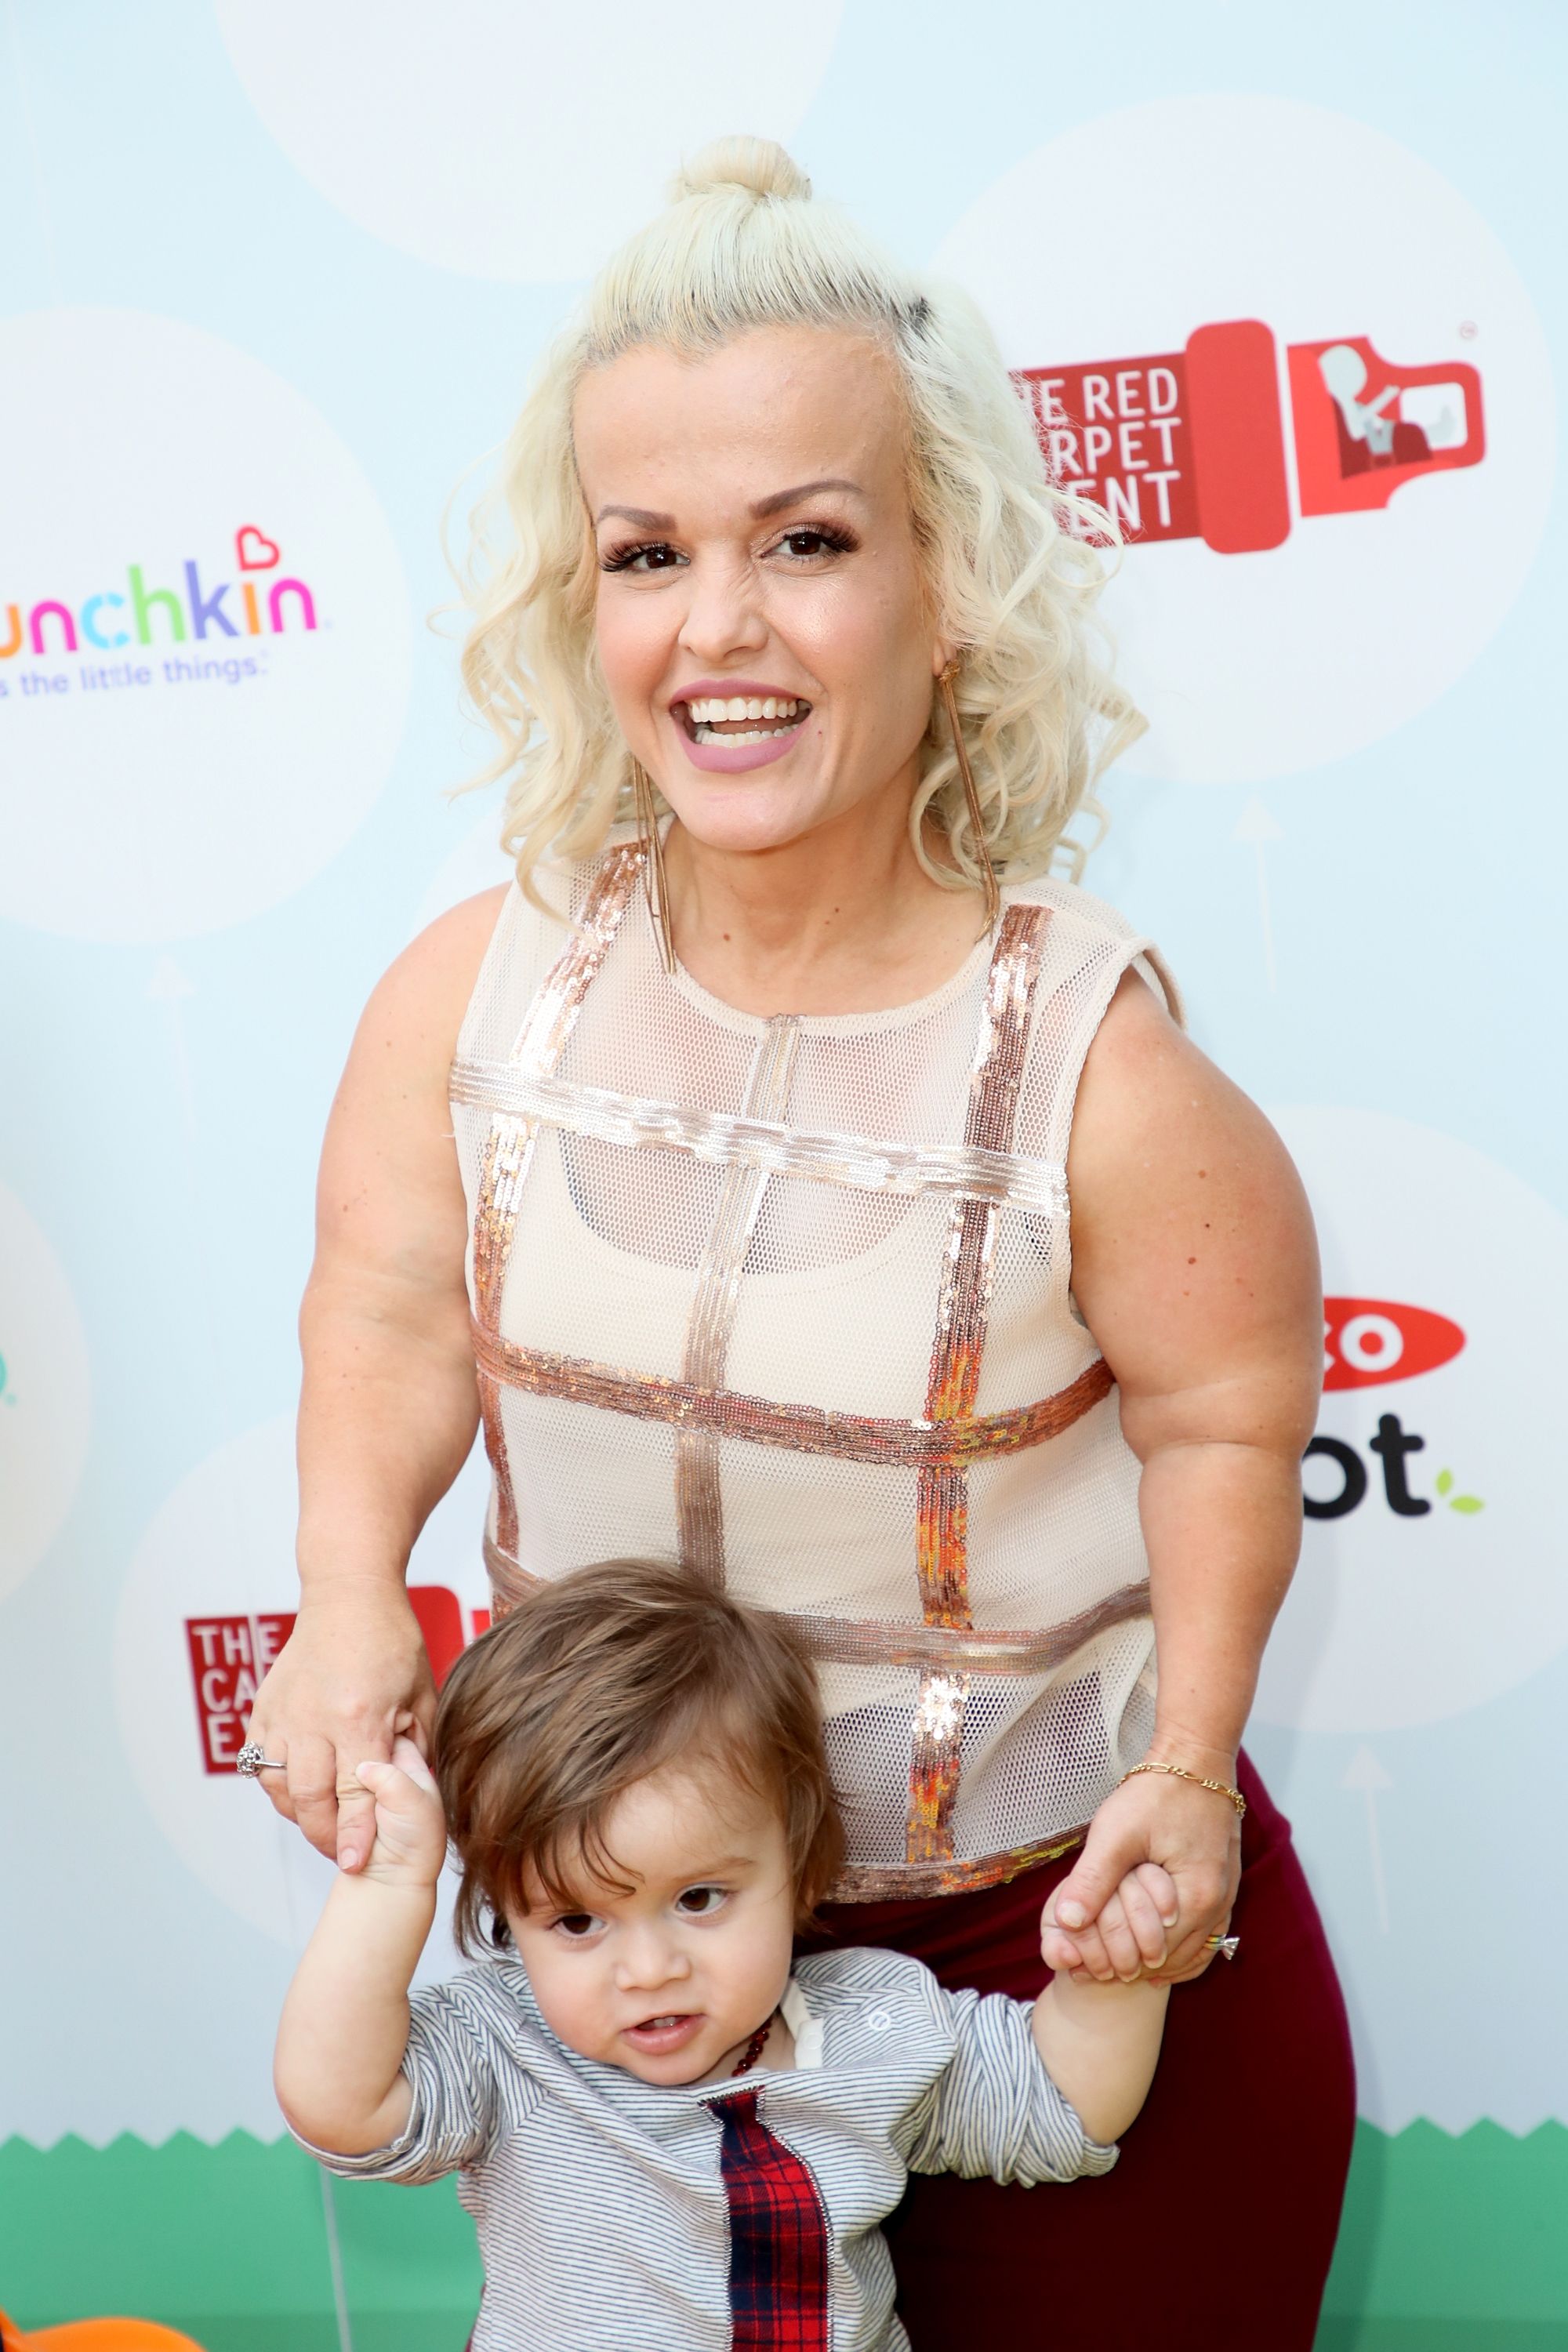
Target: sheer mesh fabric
x,y
814,1281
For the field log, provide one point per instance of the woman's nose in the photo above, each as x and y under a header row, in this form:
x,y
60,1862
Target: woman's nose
x,y
722,617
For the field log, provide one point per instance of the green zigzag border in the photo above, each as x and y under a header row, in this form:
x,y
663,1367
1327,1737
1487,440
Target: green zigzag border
x,y
1449,2241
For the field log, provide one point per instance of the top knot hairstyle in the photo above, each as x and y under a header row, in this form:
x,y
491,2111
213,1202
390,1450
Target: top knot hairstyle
x,y
1014,565
753,167
602,1678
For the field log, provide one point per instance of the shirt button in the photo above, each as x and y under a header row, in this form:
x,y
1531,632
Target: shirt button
x,y
877,2020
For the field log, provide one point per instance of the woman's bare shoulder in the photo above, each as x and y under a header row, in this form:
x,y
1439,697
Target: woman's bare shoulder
x,y
422,996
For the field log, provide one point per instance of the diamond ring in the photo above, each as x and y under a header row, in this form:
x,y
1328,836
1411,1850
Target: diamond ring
x,y
250,1761
1226,1947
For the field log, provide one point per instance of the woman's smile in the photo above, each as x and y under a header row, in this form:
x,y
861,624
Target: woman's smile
x,y
727,727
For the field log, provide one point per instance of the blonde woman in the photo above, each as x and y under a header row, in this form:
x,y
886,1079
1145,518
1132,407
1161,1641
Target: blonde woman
x,y
799,1177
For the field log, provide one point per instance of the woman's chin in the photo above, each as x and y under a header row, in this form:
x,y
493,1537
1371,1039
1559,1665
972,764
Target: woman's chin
x,y
741,819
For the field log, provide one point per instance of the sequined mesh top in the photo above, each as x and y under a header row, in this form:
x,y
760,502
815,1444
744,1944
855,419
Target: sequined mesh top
x,y
791,1299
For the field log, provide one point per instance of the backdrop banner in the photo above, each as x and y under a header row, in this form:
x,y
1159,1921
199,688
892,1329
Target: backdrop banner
x,y
275,275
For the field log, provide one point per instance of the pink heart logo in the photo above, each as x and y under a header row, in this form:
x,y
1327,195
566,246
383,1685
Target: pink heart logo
x,y
256,552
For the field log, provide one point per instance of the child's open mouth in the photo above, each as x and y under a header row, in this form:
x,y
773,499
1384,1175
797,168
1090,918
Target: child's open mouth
x,y
656,2035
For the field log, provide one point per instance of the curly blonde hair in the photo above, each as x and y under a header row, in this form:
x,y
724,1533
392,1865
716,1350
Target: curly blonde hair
x,y
1014,565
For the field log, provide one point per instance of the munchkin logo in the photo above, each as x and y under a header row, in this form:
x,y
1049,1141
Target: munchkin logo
x,y
263,605
229,1655
1191,443
1365,1342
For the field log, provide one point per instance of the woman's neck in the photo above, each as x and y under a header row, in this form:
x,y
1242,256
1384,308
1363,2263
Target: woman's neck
x,y
830,924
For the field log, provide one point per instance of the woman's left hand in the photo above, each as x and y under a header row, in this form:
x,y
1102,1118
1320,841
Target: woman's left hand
x,y
1192,1834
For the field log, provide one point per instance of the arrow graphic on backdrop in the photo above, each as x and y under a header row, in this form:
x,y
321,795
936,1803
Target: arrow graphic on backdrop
x,y
170,987
1255,824
1366,1773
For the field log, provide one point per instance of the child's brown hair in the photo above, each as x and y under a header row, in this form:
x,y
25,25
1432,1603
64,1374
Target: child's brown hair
x,y
595,1681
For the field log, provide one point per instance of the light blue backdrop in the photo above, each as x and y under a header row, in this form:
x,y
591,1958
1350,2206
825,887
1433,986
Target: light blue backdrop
x,y
166,1074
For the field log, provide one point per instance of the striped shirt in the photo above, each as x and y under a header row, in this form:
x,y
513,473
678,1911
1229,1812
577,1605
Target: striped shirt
x,y
601,2210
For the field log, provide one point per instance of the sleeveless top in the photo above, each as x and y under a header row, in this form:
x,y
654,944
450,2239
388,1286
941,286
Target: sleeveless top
x,y
791,1300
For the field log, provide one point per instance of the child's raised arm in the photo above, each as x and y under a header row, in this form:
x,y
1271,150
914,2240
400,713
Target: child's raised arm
x,y
1101,2043
344,2029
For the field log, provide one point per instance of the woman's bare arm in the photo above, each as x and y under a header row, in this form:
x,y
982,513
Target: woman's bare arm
x,y
388,1407
1195,1267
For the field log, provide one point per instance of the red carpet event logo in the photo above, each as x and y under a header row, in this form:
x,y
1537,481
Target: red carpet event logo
x,y
1277,345
229,1654
1193,443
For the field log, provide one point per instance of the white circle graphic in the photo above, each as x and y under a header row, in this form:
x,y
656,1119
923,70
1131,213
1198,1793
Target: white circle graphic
x,y
1264,663
1439,1584
1372,1343
477,863
514,142
210,1577
45,1394
208,626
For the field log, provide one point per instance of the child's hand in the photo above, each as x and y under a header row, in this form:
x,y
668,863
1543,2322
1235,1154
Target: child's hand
x,y
410,1846
1129,1936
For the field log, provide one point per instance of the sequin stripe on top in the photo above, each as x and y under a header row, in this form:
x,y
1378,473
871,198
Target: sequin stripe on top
x,y
862,1162
509,1146
941,1524
699,1493
799,1428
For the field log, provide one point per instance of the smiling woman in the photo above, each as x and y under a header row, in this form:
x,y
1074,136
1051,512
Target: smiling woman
x,y
950,509
805,1181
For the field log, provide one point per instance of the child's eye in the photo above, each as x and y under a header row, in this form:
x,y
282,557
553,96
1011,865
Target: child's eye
x,y
701,1902
576,1924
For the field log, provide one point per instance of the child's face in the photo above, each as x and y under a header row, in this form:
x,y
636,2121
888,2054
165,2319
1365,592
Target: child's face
x,y
672,1981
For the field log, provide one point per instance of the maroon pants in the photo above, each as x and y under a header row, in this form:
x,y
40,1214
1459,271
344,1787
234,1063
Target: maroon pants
x,y
1217,2225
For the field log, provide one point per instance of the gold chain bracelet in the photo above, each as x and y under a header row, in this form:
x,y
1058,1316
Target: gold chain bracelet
x,y
1180,1773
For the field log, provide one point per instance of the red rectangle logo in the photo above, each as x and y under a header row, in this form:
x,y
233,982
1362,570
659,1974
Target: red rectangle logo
x,y
228,1657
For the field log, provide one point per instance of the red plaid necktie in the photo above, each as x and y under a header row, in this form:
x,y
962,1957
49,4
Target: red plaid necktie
x,y
778,2237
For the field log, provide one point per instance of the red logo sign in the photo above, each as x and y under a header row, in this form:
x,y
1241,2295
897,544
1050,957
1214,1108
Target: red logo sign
x,y
229,1657
1191,443
1370,1340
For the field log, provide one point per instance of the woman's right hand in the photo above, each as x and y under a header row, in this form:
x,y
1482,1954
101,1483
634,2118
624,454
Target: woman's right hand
x,y
352,1677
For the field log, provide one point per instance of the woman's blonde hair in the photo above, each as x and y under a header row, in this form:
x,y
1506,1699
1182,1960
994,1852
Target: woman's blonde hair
x,y
1011,570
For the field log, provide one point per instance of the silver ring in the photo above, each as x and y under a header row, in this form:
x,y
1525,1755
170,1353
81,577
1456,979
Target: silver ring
x,y
1226,1947
250,1761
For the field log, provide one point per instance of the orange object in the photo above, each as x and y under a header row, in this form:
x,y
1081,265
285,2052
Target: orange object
x,y
96,2336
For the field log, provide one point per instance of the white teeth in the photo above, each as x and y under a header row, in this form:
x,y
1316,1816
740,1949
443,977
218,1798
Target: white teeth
x,y
712,711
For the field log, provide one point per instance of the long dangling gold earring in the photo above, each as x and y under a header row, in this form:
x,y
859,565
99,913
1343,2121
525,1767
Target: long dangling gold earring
x,y
972,797
655,888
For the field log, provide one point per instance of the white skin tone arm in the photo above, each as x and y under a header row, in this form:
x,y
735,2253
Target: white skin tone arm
x,y
1195,1267
389,1406
1101,2043
337,2068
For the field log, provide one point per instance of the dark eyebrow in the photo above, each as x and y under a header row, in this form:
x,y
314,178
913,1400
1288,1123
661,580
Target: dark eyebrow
x,y
641,516
645,519
782,499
